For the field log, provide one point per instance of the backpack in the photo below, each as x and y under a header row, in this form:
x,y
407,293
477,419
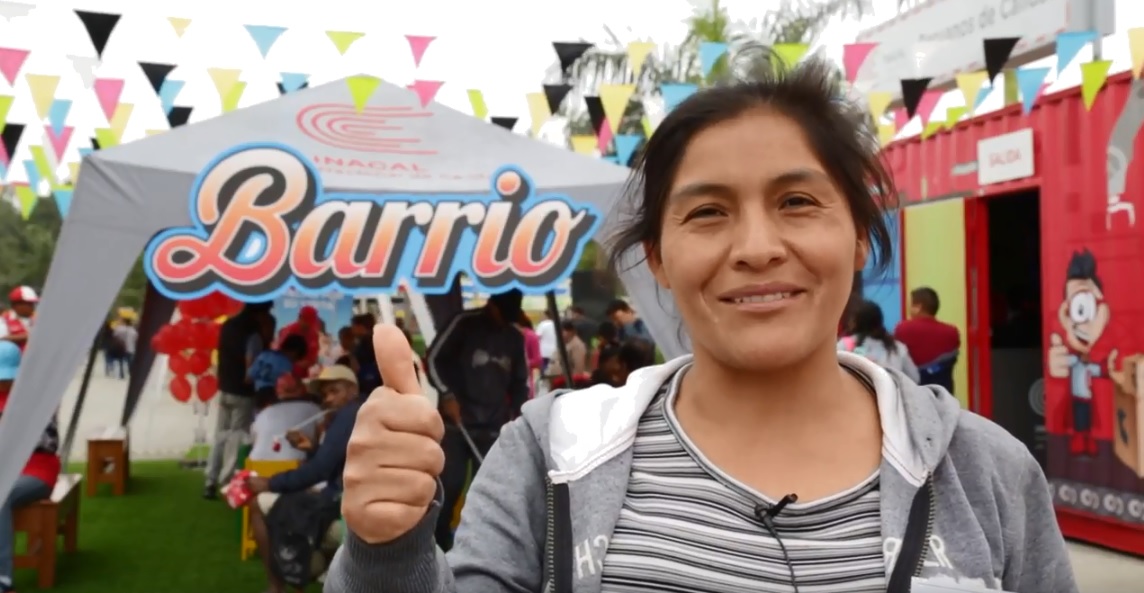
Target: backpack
x,y
296,525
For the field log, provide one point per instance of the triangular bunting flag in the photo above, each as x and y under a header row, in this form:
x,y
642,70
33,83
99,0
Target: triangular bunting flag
x,y
11,60
930,129
984,94
179,25
105,138
886,133
83,152
611,158
11,139
233,96
35,178
224,79
1069,45
878,102
853,56
43,165
84,67
638,51
954,114
108,91
27,198
929,101
645,123
119,119
179,116
997,52
595,112
912,91
156,73
95,145
709,54
604,138
1136,50
417,46
507,123
554,94
343,39
63,197
59,140
73,170
1030,81
675,93
970,83
538,111
169,92
43,88
626,145
154,132
361,89
264,36
584,144
568,52
477,100
15,10
5,107
426,90
99,26
1093,76
615,98
789,54
57,115
292,81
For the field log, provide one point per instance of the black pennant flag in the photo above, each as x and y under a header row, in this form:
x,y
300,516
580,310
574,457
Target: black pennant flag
x,y
156,73
997,52
569,51
555,94
99,26
282,90
179,115
95,144
912,91
11,137
595,112
507,123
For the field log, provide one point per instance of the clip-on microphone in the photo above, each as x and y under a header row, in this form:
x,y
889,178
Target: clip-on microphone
x,y
767,512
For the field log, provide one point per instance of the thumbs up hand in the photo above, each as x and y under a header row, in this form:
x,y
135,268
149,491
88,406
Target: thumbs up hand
x,y
394,455
1058,359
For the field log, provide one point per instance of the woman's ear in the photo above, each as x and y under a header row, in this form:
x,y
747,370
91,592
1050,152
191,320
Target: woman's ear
x,y
861,254
655,264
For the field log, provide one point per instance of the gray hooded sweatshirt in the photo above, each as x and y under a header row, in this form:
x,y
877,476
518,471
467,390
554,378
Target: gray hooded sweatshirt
x,y
962,501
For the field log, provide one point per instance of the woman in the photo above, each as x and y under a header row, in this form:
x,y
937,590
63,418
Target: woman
x,y
768,461
868,337
531,351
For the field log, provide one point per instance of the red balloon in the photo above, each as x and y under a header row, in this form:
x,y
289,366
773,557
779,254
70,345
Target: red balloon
x,y
206,387
179,364
192,309
161,342
181,338
181,389
231,307
199,362
202,336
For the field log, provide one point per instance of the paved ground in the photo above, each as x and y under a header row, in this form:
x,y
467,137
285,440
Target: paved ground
x,y
165,429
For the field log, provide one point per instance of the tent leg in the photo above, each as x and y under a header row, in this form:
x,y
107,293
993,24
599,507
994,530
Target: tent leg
x,y
561,347
423,315
65,452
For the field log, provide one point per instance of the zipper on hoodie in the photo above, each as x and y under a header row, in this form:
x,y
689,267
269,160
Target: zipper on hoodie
x,y
915,541
558,538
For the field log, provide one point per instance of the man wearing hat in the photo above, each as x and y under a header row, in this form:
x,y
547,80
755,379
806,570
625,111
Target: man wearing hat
x,y
16,323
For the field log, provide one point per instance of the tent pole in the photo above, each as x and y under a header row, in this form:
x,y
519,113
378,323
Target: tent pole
x,y
65,452
561,347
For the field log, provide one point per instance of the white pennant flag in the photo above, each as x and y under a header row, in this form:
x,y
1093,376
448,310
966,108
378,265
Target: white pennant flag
x,y
85,66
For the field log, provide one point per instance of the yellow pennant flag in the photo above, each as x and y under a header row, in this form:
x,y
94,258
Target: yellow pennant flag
x,y
638,51
1136,49
970,83
27,197
477,100
43,88
5,107
584,144
1092,78
538,110
615,98
879,101
179,25
224,79
886,133
43,166
154,132
343,39
362,87
106,138
73,168
789,54
931,128
119,119
647,127
233,96
953,115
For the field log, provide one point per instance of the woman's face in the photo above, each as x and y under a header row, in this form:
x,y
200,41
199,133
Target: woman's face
x,y
758,246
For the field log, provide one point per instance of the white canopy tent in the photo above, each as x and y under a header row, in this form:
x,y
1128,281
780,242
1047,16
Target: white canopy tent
x,y
128,193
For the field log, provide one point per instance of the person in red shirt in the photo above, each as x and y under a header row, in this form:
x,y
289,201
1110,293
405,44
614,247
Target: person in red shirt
x,y
307,326
16,323
40,472
933,344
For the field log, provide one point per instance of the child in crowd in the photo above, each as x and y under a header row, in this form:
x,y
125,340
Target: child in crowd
x,y
271,364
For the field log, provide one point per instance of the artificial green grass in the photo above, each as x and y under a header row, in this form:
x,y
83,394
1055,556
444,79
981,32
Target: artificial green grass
x,y
161,537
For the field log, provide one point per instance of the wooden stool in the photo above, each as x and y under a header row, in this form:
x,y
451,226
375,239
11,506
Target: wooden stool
x,y
43,521
108,461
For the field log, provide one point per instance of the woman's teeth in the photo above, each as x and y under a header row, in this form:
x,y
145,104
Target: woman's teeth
x,y
766,298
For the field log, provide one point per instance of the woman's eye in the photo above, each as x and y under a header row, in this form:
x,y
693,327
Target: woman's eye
x,y
704,212
796,200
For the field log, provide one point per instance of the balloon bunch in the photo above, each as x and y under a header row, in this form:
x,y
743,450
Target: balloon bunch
x,y
190,342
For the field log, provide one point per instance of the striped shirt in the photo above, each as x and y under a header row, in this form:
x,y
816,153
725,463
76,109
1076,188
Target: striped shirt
x,y
688,527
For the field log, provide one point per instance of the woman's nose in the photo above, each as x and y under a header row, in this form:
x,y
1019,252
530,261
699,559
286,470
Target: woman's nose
x,y
757,240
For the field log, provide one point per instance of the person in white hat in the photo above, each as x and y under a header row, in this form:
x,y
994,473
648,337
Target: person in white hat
x,y
16,323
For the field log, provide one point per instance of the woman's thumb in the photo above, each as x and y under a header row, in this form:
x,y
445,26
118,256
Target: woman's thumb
x,y
395,359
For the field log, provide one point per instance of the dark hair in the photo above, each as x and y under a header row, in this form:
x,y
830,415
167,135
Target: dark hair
x,y
868,322
812,95
294,344
567,326
366,320
925,298
508,303
1082,266
346,331
637,354
577,309
617,306
523,319
607,331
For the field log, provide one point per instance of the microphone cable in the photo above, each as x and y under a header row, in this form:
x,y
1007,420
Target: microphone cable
x,y
766,514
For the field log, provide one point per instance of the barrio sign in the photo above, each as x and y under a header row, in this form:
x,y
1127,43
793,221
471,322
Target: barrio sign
x,y
262,224
942,38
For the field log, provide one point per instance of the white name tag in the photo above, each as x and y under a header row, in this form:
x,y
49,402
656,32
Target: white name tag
x,y
923,586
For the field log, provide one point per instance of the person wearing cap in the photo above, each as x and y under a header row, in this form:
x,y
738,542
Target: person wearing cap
x,y
16,323
308,326
320,476
38,476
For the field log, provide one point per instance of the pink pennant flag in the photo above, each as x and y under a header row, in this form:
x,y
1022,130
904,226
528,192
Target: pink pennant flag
x,y
59,141
5,158
418,44
901,118
927,104
853,56
604,138
108,90
11,60
426,90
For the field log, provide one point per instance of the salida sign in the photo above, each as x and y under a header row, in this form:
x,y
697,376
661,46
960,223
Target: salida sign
x,y
262,224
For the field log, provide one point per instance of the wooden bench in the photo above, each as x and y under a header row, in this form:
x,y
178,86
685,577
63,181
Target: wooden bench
x,y
108,460
43,522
